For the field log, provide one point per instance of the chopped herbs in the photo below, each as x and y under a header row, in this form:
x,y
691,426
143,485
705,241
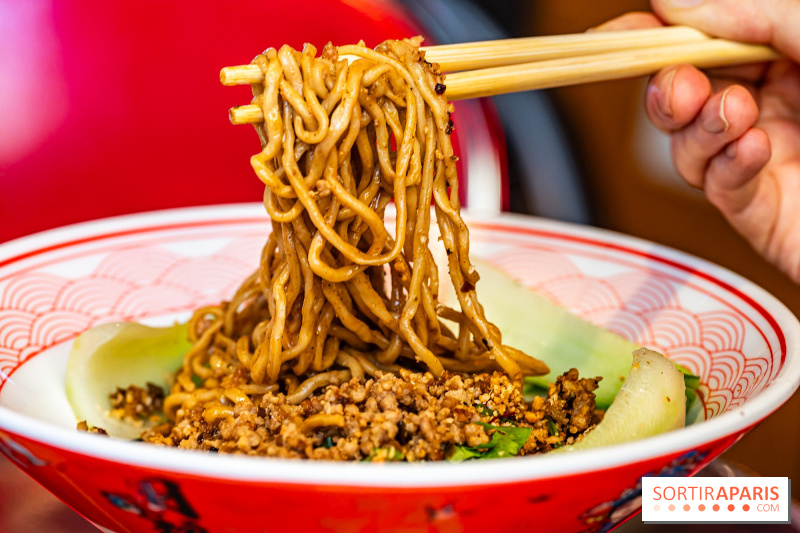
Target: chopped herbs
x,y
462,453
551,427
384,454
505,442
328,442
484,410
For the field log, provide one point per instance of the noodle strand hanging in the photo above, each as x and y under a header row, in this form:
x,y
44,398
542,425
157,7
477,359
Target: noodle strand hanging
x,y
339,296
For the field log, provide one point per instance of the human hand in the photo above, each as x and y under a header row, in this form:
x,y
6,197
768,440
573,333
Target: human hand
x,y
736,131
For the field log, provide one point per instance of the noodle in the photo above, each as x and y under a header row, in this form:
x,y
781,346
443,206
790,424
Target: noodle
x,y
336,295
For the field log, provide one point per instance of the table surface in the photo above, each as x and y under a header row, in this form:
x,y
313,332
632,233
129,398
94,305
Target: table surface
x,y
26,506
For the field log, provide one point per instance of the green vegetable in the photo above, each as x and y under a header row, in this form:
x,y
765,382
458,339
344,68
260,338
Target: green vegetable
x,y
505,442
691,382
462,453
651,402
328,442
694,409
387,454
483,410
551,427
532,323
119,355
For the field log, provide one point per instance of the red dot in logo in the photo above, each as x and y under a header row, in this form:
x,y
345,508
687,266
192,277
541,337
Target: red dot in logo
x,y
671,507
686,507
716,507
746,507
731,507
701,507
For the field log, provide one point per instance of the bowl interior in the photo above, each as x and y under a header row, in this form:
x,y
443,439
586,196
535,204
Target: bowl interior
x,y
158,267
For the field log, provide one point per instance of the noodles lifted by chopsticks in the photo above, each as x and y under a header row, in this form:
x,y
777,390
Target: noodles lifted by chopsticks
x,y
337,295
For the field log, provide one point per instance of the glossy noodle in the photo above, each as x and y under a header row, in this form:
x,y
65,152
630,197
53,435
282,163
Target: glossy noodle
x,y
337,295
344,296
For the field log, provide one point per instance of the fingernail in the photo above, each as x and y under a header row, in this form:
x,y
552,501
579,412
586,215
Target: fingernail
x,y
730,151
683,3
664,97
718,123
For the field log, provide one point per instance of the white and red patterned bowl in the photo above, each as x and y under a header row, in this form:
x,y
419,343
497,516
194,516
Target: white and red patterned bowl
x,y
154,267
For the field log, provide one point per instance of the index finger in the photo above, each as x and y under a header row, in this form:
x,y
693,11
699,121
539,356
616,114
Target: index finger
x,y
772,22
675,96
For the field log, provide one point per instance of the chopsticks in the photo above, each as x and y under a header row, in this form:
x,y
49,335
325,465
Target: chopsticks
x,y
602,67
471,56
510,65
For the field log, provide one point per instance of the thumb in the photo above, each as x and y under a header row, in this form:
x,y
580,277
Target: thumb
x,y
772,22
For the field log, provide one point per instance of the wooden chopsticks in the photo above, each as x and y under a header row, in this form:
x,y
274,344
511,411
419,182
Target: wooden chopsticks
x,y
602,67
471,56
511,65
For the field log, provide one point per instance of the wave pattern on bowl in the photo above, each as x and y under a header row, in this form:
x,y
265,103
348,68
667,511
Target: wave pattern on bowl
x,y
39,308
51,303
646,309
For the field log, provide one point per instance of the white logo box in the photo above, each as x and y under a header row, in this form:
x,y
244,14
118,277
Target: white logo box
x,y
744,500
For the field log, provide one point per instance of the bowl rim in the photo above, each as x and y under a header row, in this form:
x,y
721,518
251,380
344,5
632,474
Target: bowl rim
x,y
731,423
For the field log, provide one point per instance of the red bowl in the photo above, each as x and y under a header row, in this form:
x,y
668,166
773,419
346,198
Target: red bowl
x,y
741,341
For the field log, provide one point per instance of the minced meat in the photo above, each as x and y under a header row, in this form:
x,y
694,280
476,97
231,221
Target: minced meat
x,y
136,402
407,416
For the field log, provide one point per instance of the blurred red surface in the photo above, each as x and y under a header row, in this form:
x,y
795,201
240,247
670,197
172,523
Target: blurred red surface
x,y
109,108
